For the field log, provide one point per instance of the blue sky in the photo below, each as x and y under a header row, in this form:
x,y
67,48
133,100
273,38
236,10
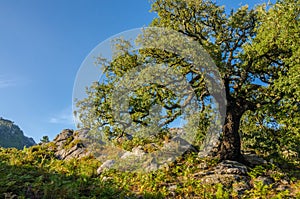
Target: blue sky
x,y
42,45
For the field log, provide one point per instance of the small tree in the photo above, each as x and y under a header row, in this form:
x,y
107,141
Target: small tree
x,y
45,139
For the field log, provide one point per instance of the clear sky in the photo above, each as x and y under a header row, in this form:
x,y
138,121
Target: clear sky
x,y
42,45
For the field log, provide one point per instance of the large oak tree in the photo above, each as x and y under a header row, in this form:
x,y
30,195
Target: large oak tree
x,y
255,51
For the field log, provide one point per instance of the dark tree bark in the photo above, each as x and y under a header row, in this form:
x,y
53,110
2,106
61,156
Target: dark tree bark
x,y
230,146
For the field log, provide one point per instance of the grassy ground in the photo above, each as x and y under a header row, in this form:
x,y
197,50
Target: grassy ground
x,y
35,173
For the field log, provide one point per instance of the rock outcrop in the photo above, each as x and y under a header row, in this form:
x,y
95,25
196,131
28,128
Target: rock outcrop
x,y
69,144
12,136
106,165
228,173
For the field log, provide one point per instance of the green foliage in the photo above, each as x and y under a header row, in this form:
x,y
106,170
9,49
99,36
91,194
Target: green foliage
x,y
45,139
257,171
273,129
264,191
256,52
221,193
35,173
71,143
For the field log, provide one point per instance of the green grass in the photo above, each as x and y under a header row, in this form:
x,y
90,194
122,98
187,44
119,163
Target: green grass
x,y
35,173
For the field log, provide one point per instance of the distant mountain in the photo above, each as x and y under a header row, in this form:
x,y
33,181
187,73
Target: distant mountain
x,y
12,136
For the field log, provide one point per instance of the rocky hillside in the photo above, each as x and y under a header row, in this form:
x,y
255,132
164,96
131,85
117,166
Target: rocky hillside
x,y
12,136
67,168
239,178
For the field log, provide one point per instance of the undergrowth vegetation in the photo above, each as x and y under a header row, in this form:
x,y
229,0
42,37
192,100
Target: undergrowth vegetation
x,y
36,173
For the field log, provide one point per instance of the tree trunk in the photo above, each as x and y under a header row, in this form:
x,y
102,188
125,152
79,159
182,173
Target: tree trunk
x,y
230,146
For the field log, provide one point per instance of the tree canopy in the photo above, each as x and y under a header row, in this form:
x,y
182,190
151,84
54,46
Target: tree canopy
x,y
256,52
275,127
